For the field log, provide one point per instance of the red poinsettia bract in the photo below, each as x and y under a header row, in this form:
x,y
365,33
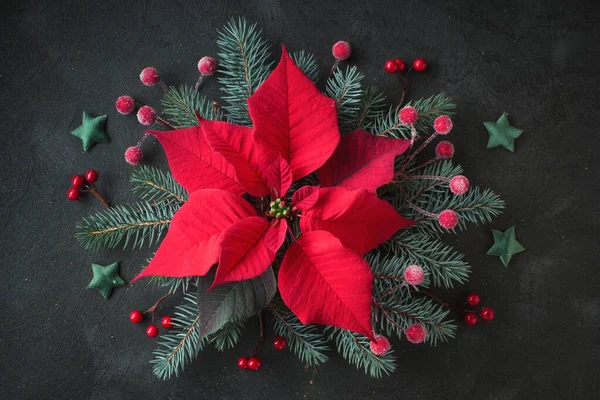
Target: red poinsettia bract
x,y
323,277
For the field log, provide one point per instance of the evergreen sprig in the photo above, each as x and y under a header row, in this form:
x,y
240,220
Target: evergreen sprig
x,y
228,336
372,106
344,87
388,274
173,284
181,103
307,63
153,185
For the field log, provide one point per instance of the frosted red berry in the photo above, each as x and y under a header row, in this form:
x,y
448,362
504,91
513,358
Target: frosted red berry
x,y
254,363
91,175
77,181
149,76
134,155
73,194
166,322
487,313
125,105
414,275
207,66
401,65
471,318
146,115
380,345
473,299
152,330
415,333
444,150
279,343
391,66
443,124
136,316
448,219
459,185
242,362
408,115
341,50
420,65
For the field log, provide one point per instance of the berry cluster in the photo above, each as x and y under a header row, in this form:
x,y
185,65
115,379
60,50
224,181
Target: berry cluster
x,y
486,313
85,183
253,362
398,67
137,316
279,209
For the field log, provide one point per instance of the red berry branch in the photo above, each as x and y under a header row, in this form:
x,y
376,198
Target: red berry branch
x,y
398,67
85,184
152,330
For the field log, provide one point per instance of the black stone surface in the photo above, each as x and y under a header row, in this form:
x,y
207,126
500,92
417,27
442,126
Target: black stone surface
x,y
536,60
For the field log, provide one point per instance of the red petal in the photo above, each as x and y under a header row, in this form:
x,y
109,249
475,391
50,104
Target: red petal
x,y
292,118
359,219
191,246
305,197
236,144
194,164
362,161
323,282
247,248
278,177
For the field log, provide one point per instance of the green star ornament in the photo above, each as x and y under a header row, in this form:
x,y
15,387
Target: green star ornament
x,y
91,130
502,134
106,278
505,245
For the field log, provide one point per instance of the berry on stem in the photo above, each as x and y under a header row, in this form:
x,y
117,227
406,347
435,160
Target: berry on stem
x,y
380,345
391,66
415,333
77,181
91,175
471,318
401,65
443,124
73,194
408,115
146,115
448,219
487,313
459,185
134,155
414,275
207,66
473,299
444,150
279,343
149,76
166,322
420,65
254,363
152,330
341,50
125,105
242,362
136,316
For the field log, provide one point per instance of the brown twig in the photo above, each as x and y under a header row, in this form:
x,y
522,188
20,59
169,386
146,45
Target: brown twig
x,y
155,306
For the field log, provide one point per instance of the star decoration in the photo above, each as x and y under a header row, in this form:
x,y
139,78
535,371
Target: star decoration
x,y
91,130
502,133
106,278
505,245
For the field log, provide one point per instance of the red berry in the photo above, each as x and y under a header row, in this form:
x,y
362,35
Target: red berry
x,y
341,50
448,219
415,333
77,181
380,345
401,65
152,330
391,66
134,155
471,318
149,76
444,150
408,115
443,124
414,275
207,66
243,362
459,185
254,363
91,176
487,313
125,105
146,115
420,65
136,316
166,322
473,299
279,343
73,194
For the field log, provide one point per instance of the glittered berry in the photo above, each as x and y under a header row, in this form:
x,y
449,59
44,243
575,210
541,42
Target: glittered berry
x,y
149,76
391,66
254,363
414,275
401,65
166,322
152,330
207,66
125,105
341,50
487,313
473,299
380,345
77,181
459,185
73,194
408,115
242,362
443,124
146,115
136,316
134,155
415,333
420,65
471,318
279,343
91,175
444,150
448,219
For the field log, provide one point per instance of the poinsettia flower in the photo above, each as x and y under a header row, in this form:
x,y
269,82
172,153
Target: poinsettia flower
x,y
323,277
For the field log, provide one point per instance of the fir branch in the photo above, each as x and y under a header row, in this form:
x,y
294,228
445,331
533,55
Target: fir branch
x,y
304,340
181,104
228,336
372,105
154,185
344,87
355,349
172,284
307,63
388,274
136,224
243,64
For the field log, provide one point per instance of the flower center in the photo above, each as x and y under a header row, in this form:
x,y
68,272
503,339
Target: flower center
x,y
279,209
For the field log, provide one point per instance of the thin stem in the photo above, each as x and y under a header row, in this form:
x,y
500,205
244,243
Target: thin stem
x,y
434,177
261,339
155,306
197,86
139,143
163,86
426,163
92,190
164,123
335,65
421,147
419,209
442,303
392,290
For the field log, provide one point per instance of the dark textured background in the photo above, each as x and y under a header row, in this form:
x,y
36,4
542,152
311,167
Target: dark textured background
x,y
538,61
